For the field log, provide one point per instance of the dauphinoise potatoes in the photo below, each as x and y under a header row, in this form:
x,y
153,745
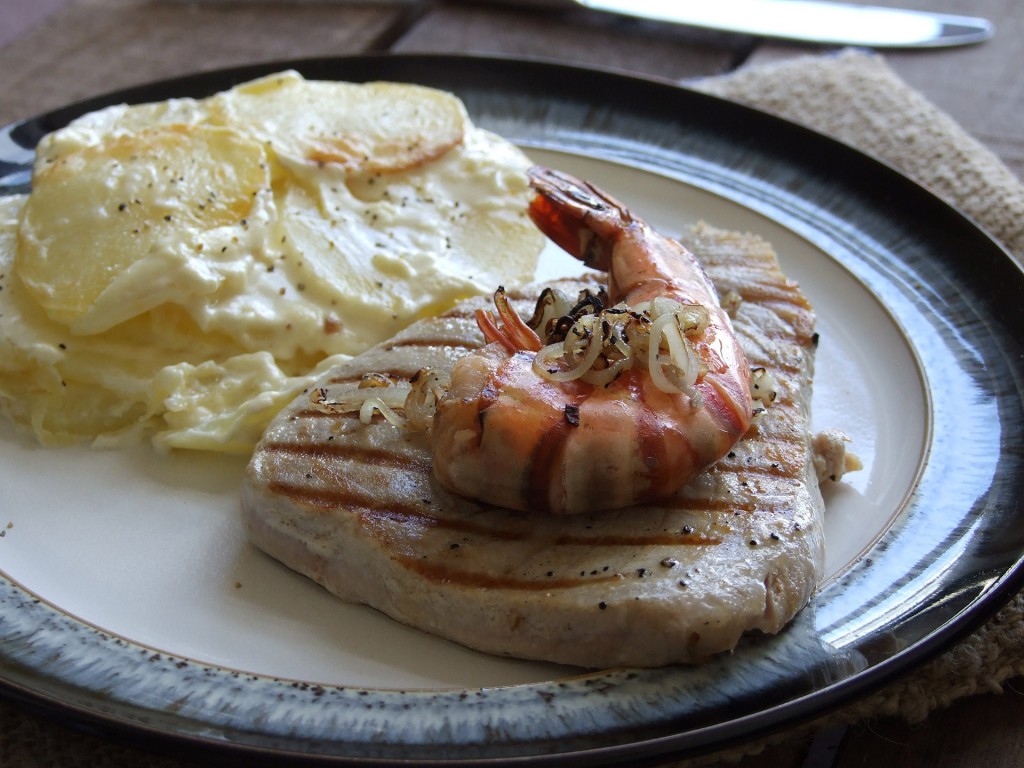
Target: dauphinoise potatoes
x,y
181,269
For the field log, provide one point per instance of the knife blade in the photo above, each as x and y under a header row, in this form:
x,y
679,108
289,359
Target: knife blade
x,y
810,21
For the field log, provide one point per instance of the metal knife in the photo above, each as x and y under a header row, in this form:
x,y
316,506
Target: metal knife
x,y
808,21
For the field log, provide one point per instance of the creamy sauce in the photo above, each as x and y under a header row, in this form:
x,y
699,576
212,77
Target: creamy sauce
x,y
184,269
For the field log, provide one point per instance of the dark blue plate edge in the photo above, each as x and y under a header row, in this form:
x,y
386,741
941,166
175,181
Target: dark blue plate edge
x,y
634,94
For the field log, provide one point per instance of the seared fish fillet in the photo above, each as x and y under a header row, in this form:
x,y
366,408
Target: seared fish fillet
x,y
356,509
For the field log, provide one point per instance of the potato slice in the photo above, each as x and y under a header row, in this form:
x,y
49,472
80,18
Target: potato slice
x,y
99,211
371,127
181,267
382,251
118,120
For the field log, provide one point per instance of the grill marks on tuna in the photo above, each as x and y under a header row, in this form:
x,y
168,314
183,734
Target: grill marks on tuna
x,y
739,549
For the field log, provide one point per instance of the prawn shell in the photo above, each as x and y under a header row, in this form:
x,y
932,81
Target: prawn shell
x,y
644,455
508,436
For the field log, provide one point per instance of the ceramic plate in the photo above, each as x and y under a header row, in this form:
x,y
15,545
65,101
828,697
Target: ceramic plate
x,y
131,603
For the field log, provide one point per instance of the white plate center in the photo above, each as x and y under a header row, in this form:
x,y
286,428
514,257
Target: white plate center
x,y
151,548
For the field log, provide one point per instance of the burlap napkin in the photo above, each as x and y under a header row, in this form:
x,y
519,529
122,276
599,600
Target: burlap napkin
x,y
858,99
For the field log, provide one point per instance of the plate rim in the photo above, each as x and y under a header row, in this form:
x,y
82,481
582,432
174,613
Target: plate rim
x,y
787,713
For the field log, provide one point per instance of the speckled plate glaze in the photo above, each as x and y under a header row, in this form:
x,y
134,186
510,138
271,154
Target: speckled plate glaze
x,y
131,605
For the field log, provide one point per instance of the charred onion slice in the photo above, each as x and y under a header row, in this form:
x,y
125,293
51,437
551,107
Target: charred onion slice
x,y
763,390
382,398
428,386
411,404
596,344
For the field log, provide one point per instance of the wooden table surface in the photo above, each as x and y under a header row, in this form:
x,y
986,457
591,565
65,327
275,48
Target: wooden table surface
x,y
56,51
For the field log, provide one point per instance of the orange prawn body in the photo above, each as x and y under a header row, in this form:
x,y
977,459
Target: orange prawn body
x,y
505,435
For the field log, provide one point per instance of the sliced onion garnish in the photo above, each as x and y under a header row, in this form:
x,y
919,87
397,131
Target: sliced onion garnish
x,y
372,404
617,354
571,359
548,363
364,401
428,387
411,404
672,368
763,391
763,386
604,376
671,359
585,341
374,380
731,301
551,305
596,344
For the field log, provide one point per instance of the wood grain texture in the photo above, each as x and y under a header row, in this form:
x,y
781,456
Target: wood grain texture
x,y
96,46
18,16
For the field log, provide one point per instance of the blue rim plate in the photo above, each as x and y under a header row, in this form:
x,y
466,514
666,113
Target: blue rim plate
x,y
949,556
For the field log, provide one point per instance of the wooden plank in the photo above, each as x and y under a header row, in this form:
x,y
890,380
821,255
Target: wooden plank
x,y
979,86
18,16
575,37
97,46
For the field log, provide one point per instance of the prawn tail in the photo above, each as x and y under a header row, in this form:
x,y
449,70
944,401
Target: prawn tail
x,y
580,219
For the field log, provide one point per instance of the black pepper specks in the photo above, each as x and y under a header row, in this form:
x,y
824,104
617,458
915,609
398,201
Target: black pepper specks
x,y
572,415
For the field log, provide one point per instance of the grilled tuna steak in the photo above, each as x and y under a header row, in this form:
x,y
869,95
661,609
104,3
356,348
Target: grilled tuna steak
x,y
355,508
